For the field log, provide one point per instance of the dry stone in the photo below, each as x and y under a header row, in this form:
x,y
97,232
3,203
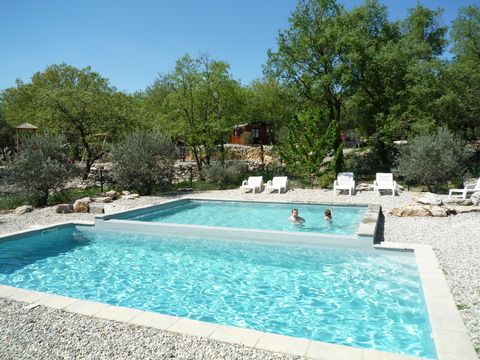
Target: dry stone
x,y
112,194
125,192
475,198
102,199
96,208
23,209
428,199
131,197
64,209
364,187
457,201
465,209
420,210
82,205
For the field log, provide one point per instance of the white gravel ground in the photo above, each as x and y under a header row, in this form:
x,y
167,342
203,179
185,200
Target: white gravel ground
x,y
455,240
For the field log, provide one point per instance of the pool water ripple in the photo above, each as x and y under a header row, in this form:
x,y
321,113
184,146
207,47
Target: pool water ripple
x,y
355,298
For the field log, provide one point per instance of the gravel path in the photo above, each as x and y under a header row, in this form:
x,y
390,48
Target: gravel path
x,y
455,240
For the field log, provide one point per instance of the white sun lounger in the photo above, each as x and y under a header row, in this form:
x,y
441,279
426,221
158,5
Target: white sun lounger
x,y
384,181
277,183
253,183
465,191
344,181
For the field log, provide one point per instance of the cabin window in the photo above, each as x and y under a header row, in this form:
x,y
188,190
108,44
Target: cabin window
x,y
256,133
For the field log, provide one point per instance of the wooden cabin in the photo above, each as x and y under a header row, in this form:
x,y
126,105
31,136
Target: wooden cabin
x,y
250,133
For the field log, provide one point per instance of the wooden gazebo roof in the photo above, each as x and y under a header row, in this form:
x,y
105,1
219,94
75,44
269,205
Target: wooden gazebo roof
x,y
26,126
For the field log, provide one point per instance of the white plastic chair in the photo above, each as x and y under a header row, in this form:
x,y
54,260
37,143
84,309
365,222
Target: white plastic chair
x,y
464,192
344,181
253,183
384,181
277,183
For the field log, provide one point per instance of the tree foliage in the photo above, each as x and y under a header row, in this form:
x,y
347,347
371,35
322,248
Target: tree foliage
x,y
41,167
144,161
77,103
433,159
308,145
199,103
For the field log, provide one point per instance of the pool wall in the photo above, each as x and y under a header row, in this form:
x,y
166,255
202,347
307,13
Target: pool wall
x,y
364,237
449,334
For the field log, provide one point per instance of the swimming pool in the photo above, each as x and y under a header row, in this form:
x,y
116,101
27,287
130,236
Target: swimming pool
x,y
367,299
251,215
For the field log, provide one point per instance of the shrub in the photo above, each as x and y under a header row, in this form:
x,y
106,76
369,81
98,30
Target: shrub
x,y
224,175
143,161
433,159
41,167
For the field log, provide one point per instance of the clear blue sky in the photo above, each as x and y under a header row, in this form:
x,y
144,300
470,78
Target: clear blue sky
x,y
131,42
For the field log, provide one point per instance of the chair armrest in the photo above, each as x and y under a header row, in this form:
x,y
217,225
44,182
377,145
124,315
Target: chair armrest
x,y
394,184
269,183
244,182
353,184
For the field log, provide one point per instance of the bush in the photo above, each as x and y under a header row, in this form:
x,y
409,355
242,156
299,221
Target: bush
x,y
41,167
224,175
433,159
144,161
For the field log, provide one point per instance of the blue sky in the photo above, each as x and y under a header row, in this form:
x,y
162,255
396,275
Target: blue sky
x,y
131,42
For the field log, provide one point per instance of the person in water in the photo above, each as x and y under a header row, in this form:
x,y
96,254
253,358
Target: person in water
x,y
328,215
295,218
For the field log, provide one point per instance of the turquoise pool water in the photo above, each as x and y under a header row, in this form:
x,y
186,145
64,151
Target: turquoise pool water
x,y
357,298
258,215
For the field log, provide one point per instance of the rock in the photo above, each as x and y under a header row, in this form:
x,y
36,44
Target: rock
x,y
465,209
125,192
113,194
475,198
420,210
64,209
364,187
187,189
102,199
456,201
428,199
82,205
131,197
96,208
23,209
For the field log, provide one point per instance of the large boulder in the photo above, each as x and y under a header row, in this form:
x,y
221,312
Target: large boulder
x,y
64,209
475,198
465,209
428,199
23,209
112,194
82,205
457,201
420,210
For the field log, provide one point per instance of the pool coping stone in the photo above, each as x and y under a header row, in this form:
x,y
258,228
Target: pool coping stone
x,y
449,333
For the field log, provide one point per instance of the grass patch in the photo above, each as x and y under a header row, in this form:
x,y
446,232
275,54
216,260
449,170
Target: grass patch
x,y
70,195
8,202
462,306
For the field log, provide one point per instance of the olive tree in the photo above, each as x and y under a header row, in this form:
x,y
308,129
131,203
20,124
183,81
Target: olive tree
x,y
433,159
41,167
144,161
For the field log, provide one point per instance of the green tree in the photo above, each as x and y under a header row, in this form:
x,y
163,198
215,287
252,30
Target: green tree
x,y
458,107
433,159
307,148
144,161
200,102
41,167
309,58
269,102
78,103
